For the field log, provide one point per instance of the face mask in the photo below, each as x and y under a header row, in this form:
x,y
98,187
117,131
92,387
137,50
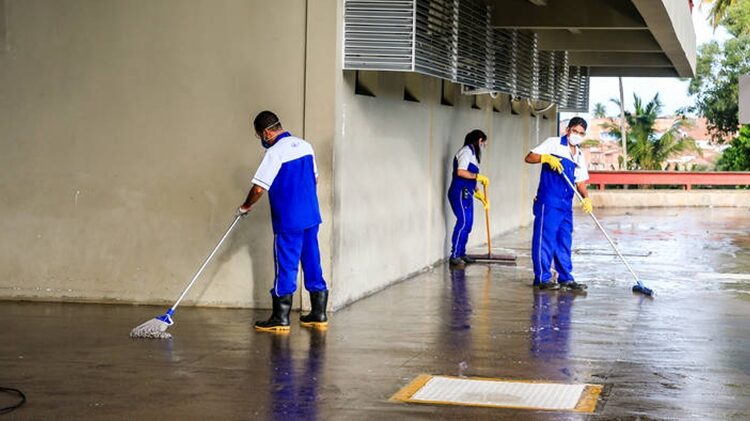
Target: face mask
x,y
575,139
263,141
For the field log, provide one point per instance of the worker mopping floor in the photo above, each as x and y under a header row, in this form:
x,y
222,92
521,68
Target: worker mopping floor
x,y
156,328
683,356
638,287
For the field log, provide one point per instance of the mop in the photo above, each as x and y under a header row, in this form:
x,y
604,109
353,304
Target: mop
x,y
156,328
638,287
503,259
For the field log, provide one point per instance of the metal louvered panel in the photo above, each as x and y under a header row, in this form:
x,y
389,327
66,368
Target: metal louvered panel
x,y
379,34
578,90
583,90
525,57
550,76
574,80
473,29
502,54
454,40
437,38
561,78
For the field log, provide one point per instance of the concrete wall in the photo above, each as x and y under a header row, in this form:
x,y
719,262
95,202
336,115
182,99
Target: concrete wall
x,y
670,198
392,163
125,144
682,25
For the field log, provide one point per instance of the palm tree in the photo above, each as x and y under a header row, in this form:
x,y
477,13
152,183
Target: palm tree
x,y
600,111
718,10
647,149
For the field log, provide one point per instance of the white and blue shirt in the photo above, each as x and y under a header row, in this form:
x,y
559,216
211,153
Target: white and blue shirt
x,y
288,172
553,189
465,159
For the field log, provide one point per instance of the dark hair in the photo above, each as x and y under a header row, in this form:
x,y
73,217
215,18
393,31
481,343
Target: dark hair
x,y
578,121
472,138
265,120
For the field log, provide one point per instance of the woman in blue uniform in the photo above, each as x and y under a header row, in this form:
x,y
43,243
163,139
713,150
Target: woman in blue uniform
x,y
462,190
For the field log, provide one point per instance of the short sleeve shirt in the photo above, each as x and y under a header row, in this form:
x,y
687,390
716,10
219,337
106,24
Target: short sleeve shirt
x,y
553,189
465,159
288,172
554,146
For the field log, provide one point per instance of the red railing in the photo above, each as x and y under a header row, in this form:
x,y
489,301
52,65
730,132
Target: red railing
x,y
681,178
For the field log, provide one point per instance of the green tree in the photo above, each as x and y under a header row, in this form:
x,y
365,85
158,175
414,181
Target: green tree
x,y
737,17
600,111
737,156
648,149
718,68
719,9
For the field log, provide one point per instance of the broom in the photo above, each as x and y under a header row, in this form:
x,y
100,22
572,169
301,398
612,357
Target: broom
x,y
156,328
503,259
638,287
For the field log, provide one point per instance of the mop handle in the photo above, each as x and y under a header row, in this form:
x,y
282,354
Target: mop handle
x,y
208,259
487,224
601,228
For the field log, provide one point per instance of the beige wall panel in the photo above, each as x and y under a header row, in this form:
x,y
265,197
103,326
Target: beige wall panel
x,y
126,145
392,169
320,121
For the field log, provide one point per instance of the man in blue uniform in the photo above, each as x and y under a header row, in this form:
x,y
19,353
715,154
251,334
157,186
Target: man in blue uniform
x,y
553,212
461,192
289,174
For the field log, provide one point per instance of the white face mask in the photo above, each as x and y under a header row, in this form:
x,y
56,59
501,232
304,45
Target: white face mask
x,y
575,139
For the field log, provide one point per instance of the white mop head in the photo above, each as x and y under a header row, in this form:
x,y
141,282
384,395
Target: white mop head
x,y
152,329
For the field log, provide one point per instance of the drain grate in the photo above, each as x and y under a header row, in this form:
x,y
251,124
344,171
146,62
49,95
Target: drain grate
x,y
445,390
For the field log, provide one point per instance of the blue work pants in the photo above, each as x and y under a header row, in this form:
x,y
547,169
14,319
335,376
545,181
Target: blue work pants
x,y
552,242
291,248
462,204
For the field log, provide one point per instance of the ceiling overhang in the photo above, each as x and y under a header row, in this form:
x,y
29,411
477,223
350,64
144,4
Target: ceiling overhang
x,y
610,37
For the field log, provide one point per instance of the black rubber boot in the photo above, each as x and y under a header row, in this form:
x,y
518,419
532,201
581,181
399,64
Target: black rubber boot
x,y
279,320
456,264
547,286
572,286
317,317
468,260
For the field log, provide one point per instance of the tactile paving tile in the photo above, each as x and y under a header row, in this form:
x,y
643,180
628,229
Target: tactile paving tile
x,y
500,393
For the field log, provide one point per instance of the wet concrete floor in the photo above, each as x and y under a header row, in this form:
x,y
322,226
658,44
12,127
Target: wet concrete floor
x,y
683,355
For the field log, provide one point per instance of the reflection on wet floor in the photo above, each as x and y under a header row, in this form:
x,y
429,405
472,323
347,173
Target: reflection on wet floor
x,y
550,324
683,355
294,390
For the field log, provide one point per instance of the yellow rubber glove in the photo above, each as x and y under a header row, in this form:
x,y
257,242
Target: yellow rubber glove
x,y
480,196
587,206
553,162
483,179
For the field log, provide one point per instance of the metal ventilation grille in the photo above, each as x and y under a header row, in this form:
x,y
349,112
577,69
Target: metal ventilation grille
x,y
526,64
552,74
545,75
578,90
436,38
474,62
562,72
454,40
504,63
379,34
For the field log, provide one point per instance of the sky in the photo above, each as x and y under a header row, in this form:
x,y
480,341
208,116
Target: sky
x,y
672,91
